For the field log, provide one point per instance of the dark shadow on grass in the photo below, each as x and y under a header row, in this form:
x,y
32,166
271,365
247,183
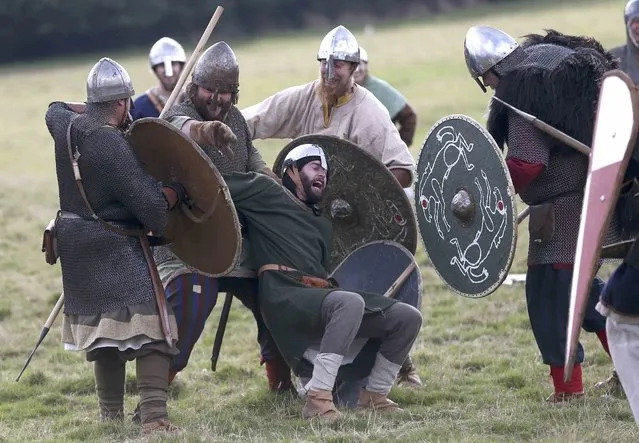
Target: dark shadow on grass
x,y
5,312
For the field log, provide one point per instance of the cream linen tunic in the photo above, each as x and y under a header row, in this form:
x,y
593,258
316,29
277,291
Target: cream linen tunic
x,y
363,120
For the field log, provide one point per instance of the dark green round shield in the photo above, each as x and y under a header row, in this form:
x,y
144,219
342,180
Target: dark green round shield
x,y
465,206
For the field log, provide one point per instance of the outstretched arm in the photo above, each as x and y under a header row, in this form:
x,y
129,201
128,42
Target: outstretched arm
x,y
278,116
407,121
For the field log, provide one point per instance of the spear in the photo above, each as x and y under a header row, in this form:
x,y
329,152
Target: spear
x,y
545,127
194,57
45,331
553,132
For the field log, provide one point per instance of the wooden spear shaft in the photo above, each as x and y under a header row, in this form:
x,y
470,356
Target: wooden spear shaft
x,y
44,332
194,56
545,127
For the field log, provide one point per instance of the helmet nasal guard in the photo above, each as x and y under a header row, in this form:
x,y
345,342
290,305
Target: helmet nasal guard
x,y
217,70
338,44
166,51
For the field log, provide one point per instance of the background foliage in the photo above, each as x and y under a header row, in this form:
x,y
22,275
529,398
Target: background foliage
x,y
32,29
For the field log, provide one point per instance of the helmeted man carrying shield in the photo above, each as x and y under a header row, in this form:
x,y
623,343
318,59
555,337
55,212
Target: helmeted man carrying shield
x,y
210,117
113,310
556,78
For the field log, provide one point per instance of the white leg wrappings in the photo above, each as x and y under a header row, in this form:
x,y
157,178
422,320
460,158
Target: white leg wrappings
x,y
382,375
325,369
623,339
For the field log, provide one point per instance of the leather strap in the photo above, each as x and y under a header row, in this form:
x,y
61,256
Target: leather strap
x,y
158,288
274,267
155,100
78,181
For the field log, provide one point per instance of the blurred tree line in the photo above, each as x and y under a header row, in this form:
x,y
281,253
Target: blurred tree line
x,y
34,29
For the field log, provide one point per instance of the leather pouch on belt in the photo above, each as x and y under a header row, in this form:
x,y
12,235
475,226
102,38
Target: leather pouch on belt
x,y
49,243
541,225
315,282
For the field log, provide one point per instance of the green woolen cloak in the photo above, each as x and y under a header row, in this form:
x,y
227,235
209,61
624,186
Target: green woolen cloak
x,y
285,231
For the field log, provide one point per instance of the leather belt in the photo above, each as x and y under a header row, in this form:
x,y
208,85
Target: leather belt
x,y
67,214
274,267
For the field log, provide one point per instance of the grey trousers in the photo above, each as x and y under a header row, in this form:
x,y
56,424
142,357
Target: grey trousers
x,y
344,320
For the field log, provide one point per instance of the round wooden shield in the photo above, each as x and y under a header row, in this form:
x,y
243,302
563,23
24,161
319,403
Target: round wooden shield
x,y
375,266
206,235
465,206
363,200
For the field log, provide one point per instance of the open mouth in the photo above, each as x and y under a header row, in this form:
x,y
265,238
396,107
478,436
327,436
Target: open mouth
x,y
318,185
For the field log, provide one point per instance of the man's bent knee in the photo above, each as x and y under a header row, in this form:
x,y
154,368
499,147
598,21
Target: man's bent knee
x,y
350,303
408,316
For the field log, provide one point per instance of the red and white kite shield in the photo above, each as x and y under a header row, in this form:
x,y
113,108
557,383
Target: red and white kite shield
x,y
612,145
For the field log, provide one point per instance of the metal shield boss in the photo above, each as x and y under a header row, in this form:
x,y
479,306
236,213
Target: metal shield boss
x,y
612,145
465,206
363,200
375,266
206,235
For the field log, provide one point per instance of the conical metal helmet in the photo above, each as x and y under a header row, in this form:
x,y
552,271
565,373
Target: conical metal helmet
x,y
631,11
166,51
363,55
108,81
218,70
340,44
484,47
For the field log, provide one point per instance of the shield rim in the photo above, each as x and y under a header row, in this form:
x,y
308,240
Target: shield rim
x,y
510,192
420,282
313,138
576,299
224,189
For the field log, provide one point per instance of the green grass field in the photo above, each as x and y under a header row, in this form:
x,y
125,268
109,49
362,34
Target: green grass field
x,y
484,380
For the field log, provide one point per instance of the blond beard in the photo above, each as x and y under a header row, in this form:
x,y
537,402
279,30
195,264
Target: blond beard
x,y
329,95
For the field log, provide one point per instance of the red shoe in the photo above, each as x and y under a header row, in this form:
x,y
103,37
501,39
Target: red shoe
x,y
566,390
279,375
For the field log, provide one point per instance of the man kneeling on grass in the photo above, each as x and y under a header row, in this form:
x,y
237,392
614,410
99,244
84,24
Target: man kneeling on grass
x,y
315,324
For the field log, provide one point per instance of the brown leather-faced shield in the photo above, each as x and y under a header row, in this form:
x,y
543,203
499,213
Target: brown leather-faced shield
x,y
613,141
363,200
206,235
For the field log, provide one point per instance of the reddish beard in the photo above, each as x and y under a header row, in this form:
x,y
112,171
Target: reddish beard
x,y
329,94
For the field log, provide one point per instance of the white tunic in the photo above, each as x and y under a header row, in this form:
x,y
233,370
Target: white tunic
x,y
362,120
